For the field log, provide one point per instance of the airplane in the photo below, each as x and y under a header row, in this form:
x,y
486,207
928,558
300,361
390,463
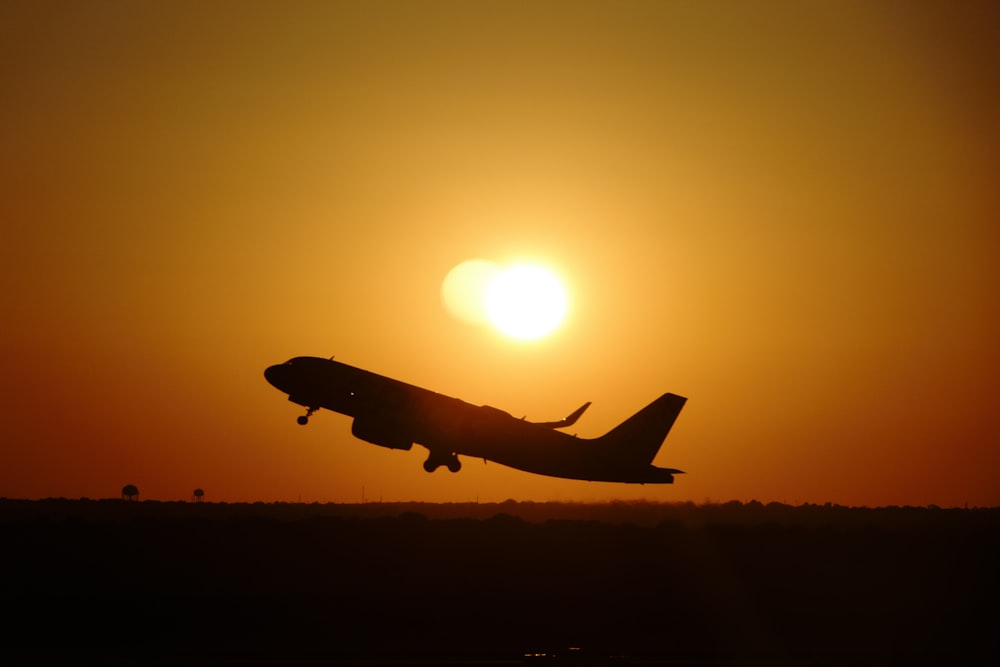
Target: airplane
x,y
397,415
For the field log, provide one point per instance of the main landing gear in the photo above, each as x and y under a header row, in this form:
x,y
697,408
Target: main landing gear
x,y
304,419
450,461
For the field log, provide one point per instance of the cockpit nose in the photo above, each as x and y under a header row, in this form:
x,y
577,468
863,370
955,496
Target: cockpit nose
x,y
276,374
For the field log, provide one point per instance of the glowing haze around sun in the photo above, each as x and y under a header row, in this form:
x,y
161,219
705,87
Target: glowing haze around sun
x,y
524,301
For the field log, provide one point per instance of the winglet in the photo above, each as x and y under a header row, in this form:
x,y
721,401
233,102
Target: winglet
x,y
568,421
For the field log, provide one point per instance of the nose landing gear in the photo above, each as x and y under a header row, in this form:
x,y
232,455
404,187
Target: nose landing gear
x,y
304,419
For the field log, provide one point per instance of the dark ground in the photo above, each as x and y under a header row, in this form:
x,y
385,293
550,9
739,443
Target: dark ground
x,y
150,582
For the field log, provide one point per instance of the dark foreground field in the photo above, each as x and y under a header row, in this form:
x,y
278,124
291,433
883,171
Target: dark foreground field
x,y
151,582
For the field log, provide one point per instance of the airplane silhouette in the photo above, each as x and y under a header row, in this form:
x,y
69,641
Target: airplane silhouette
x,y
393,414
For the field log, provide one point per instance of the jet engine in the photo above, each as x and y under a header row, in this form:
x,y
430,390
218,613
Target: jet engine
x,y
381,434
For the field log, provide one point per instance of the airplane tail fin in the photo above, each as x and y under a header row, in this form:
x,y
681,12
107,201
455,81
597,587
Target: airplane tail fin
x,y
639,437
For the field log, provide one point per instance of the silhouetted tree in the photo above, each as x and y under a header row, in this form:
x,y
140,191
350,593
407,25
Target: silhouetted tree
x,y
130,492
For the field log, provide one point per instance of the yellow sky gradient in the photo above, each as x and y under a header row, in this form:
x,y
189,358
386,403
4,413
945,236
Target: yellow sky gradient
x,y
786,211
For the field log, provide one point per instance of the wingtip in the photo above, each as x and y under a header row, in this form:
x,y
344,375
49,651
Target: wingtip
x,y
569,421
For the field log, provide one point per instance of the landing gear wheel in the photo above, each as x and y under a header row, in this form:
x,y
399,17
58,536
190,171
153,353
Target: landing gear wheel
x,y
304,419
430,466
454,465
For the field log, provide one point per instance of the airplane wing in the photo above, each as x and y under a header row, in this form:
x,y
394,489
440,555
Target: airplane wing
x,y
568,421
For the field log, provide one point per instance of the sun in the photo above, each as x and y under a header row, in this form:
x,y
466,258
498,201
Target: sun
x,y
523,301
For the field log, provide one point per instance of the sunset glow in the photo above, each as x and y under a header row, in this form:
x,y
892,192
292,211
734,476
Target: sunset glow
x,y
786,212
464,289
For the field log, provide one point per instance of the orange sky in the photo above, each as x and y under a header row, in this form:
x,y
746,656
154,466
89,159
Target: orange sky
x,y
787,212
